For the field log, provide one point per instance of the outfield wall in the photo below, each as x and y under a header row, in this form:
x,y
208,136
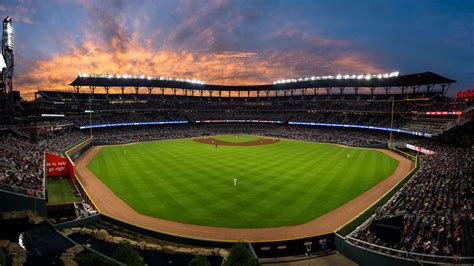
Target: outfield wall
x,y
364,256
75,152
167,237
17,202
294,247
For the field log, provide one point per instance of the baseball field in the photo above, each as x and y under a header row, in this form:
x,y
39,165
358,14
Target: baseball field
x,y
278,182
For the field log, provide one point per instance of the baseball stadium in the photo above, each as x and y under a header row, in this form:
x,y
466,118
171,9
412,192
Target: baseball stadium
x,y
340,169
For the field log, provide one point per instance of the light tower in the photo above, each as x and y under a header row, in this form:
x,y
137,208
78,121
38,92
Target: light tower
x,y
6,89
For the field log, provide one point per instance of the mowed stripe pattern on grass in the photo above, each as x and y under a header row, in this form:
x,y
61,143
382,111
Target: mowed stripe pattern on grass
x,y
61,191
286,183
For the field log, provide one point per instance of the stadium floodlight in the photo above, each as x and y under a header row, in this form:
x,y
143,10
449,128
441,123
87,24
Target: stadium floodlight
x,y
8,34
88,111
394,74
340,76
52,115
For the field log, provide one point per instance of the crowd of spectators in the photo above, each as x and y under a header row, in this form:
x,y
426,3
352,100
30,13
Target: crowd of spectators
x,y
335,102
21,161
437,204
352,137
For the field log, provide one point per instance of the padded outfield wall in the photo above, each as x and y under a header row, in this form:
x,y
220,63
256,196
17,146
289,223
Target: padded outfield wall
x,y
73,154
17,202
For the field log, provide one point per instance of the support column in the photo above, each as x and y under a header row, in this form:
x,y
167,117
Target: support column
x,y
137,90
150,90
445,88
92,88
162,90
107,88
328,91
76,88
387,90
341,90
429,87
268,93
356,89
123,89
372,90
404,89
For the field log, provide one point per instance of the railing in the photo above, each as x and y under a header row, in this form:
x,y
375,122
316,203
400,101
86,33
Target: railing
x,y
419,257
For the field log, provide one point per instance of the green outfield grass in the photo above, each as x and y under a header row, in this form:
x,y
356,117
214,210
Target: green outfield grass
x,y
286,183
61,192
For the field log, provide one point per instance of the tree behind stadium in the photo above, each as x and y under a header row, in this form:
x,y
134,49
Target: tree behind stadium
x,y
240,255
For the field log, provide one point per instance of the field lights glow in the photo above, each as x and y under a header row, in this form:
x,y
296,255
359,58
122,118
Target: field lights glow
x,y
341,77
110,76
9,33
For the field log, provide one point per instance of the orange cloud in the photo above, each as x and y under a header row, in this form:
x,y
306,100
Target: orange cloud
x,y
140,58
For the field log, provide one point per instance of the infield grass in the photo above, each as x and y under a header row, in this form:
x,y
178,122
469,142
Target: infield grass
x,y
236,138
286,183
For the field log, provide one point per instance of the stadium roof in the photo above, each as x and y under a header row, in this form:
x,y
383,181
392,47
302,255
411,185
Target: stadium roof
x,y
418,79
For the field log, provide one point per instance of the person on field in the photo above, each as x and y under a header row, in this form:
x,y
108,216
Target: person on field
x,y
348,156
216,145
235,181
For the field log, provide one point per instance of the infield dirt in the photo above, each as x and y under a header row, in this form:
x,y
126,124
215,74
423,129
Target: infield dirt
x,y
260,141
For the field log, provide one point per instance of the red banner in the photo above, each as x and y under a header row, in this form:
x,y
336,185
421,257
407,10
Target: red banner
x,y
58,166
444,113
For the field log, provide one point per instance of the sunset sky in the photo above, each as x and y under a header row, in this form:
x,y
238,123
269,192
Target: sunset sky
x,y
238,42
